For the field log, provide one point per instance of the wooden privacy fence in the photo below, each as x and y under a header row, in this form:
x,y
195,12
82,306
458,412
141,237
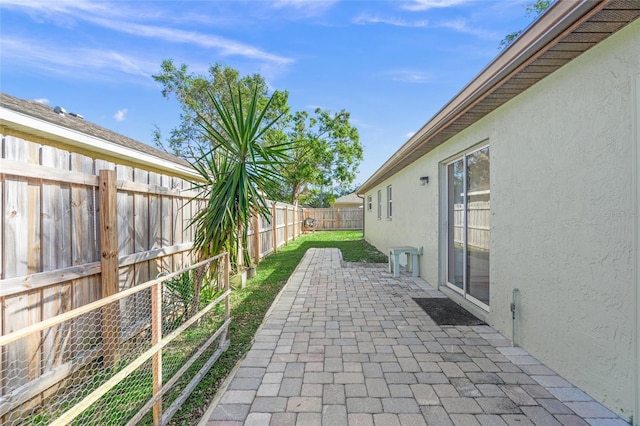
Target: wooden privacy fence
x,y
478,224
335,219
268,234
54,250
75,230
285,224
56,256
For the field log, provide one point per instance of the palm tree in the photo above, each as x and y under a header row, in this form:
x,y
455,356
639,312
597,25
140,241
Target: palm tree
x,y
239,173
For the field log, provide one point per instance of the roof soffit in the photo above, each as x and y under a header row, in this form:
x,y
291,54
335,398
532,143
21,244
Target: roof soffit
x,y
567,30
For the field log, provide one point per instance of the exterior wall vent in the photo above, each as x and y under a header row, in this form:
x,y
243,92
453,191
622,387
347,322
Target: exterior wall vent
x,y
59,110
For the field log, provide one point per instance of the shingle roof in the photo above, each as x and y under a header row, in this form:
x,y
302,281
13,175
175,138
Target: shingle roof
x,y
568,29
349,198
44,112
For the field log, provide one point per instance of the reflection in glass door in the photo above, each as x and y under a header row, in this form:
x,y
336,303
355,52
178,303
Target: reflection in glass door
x,y
456,228
468,230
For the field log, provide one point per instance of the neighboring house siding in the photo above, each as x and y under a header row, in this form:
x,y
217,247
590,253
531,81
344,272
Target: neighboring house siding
x,y
562,213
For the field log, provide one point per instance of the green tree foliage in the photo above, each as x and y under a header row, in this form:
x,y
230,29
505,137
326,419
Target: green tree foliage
x,y
508,39
239,170
321,197
193,93
326,151
324,145
317,197
536,9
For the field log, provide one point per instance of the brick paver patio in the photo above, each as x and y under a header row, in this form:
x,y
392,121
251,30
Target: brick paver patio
x,y
345,344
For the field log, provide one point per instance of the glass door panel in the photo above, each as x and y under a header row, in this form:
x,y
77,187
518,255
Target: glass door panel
x,y
456,225
468,227
477,220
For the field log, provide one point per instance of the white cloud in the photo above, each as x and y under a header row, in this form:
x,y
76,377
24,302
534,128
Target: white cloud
x,y
66,13
422,5
80,9
63,59
306,7
364,19
63,13
459,25
462,26
408,135
44,101
409,76
225,46
120,115
121,17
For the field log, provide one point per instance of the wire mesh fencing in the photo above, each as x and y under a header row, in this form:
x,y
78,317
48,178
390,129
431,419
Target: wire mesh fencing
x,y
129,358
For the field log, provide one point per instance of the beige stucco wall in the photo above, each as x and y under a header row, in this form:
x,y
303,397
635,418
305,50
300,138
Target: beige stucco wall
x,y
562,201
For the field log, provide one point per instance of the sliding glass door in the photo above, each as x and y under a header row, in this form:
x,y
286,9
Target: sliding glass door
x,y
468,225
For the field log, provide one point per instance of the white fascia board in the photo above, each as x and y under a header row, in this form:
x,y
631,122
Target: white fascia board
x,y
539,34
49,130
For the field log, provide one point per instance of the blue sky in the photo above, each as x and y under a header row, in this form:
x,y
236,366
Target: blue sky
x,y
391,64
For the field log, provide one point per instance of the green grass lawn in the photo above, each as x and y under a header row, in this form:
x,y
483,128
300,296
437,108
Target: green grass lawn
x,y
250,304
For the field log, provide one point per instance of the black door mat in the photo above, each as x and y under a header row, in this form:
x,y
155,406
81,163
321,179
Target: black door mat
x,y
444,311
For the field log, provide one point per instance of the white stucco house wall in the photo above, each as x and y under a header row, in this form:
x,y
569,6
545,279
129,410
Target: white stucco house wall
x,y
524,189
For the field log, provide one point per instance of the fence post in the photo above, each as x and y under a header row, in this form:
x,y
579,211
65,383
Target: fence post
x,y
156,335
256,238
338,219
275,227
109,264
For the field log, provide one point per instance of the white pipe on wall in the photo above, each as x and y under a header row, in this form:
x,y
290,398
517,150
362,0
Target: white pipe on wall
x,y
636,180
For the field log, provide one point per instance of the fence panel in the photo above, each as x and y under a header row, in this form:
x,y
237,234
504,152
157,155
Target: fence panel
x,y
50,263
478,224
21,257
57,204
279,223
335,219
268,233
266,236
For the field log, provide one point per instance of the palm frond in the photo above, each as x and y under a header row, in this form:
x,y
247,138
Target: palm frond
x,y
238,171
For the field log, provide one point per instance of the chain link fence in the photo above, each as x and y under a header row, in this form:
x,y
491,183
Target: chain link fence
x,y
130,358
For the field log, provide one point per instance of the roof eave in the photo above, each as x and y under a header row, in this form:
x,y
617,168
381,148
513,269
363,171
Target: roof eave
x,y
561,16
48,130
